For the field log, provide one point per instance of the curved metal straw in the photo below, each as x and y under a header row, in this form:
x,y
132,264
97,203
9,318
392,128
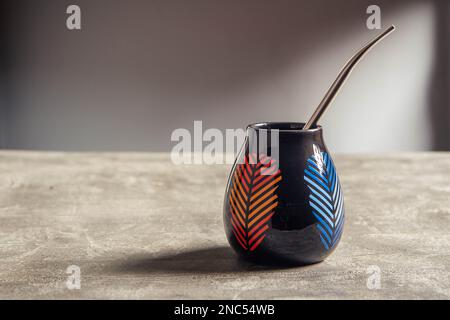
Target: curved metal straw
x,y
341,78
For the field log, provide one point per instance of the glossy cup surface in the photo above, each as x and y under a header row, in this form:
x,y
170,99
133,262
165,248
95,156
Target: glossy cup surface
x,y
283,201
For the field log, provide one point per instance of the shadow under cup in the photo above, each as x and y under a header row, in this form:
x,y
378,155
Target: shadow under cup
x,y
283,202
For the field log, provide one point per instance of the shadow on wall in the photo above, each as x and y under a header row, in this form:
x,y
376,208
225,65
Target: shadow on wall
x,y
140,69
203,47
5,65
440,84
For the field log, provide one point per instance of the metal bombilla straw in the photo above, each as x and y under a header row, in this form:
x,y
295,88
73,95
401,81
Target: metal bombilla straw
x,y
341,78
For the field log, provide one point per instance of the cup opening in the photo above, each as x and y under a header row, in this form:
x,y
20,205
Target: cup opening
x,y
283,126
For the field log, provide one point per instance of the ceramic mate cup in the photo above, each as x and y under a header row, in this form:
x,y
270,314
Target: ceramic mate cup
x,y
283,201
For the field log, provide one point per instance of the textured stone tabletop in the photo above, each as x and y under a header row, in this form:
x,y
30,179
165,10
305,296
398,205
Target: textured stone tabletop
x,y
140,227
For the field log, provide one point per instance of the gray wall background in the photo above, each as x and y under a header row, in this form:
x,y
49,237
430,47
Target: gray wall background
x,y
140,69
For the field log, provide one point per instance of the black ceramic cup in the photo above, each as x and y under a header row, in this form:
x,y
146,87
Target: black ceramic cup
x,y
283,201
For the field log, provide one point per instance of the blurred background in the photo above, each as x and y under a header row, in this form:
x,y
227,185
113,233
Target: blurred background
x,y
140,69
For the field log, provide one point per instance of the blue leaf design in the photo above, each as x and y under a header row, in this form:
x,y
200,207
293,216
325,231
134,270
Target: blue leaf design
x,y
326,199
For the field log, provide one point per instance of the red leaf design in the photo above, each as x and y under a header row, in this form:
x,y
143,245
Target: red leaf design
x,y
253,199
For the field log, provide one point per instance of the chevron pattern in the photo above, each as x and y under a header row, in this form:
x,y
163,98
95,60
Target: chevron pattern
x,y
326,199
253,199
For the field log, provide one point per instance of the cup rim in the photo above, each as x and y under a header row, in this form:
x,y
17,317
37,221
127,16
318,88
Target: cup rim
x,y
294,127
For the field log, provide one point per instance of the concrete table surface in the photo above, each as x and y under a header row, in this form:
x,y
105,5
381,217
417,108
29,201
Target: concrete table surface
x,y
140,227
